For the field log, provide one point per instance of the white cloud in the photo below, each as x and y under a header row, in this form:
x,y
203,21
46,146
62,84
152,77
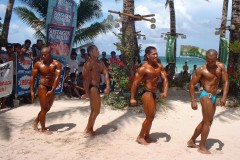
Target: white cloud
x,y
14,28
2,9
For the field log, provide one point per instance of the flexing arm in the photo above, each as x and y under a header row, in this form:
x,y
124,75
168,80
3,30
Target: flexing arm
x,y
58,72
225,85
32,80
195,79
165,83
138,77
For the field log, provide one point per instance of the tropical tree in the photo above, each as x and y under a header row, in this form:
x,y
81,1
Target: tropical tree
x,y
234,35
88,10
170,3
7,19
223,24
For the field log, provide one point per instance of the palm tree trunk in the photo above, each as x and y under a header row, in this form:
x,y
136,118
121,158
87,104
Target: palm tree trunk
x,y
223,24
128,29
7,19
234,35
173,27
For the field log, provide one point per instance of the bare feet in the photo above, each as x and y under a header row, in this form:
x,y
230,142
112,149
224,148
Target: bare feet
x,y
87,134
47,132
191,144
204,151
142,141
35,126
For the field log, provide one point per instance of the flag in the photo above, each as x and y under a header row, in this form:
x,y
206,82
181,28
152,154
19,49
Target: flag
x,y
170,49
224,49
192,51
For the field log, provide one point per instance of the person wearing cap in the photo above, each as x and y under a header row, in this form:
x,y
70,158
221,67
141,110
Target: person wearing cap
x,y
72,62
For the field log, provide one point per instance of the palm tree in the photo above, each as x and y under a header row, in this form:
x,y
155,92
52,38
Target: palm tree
x,y
88,10
170,3
234,35
7,19
223,24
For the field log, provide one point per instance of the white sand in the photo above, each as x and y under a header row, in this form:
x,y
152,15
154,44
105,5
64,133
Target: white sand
x,y
116,133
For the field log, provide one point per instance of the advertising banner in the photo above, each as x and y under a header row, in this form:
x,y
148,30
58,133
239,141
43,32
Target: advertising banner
x,y
224,49
192,51
6,78
61,25
170,49
24,71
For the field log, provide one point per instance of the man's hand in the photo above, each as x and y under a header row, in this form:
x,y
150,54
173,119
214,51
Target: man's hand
x,y
163,95
222,101
107,90
133,101
32,96
194,105
84,96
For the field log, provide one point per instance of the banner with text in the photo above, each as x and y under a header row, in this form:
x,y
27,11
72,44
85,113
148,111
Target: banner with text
x,y
6,78
61,25
170,49
24,71
224,49
192,51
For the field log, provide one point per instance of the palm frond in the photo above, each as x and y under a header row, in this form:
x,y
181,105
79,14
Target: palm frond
x,y
27,15
88,33
88,10
40,6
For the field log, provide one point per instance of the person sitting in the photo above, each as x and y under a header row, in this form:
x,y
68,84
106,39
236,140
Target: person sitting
x,y
73,88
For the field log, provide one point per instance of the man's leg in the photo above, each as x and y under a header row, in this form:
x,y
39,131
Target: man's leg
x,y
46,103
149,110
95,104
208,111
197,132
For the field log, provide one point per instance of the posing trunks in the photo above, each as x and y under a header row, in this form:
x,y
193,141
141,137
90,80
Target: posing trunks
x,y
145,90
209,95
91,85
49,88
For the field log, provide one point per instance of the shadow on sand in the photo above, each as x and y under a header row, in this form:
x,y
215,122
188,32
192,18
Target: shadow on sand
x,y
105,129
155,136
210,143
61,127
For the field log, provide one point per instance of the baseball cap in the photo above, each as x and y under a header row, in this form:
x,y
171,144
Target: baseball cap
x,y
9,45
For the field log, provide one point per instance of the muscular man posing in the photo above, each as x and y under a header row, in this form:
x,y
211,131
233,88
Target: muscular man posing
x,y
209,75
149,73
92,70
50,72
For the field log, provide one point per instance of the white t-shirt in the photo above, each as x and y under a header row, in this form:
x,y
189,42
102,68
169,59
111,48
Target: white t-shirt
x,y
73,65
81,60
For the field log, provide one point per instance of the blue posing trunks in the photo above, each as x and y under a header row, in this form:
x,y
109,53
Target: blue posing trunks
x,y
209,95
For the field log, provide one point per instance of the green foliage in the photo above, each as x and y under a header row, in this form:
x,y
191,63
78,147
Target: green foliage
x,y
235,47
88,11
115,101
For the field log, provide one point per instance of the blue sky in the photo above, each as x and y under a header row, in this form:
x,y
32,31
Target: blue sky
x,y
194,18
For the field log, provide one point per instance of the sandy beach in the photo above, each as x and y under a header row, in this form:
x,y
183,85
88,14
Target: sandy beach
x,y
116,132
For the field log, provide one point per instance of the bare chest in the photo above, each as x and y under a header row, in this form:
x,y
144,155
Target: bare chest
x,y
47,70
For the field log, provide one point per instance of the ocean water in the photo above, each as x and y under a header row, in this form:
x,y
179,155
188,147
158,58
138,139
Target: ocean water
x,y
180,62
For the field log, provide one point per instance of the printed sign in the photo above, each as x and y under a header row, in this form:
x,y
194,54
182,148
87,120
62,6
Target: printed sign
x,y
6,78
61,17
24,71
192,51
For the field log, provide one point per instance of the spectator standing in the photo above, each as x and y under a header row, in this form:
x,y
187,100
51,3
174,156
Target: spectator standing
x,y
72,62
36,51
82,59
